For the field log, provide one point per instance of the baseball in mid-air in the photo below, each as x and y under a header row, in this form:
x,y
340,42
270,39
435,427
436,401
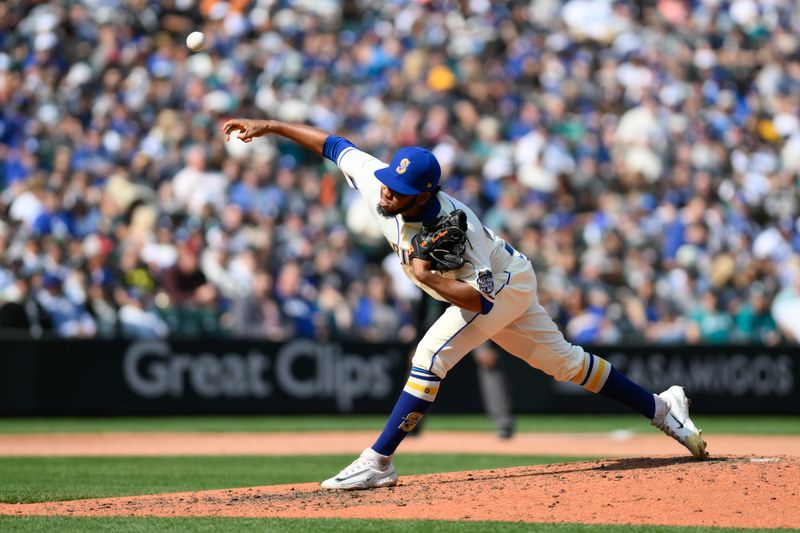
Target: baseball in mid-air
x,y
196,41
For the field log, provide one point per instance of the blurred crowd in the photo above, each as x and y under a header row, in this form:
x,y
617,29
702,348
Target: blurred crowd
x,y
645,155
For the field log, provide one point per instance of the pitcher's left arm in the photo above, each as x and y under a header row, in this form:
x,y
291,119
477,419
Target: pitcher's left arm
x,y
454,291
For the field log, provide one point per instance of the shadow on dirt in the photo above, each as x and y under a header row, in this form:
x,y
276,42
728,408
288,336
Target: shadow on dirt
x,y
604,465
634,463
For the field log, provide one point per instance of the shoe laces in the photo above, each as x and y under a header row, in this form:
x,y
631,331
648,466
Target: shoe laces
x,y
359,464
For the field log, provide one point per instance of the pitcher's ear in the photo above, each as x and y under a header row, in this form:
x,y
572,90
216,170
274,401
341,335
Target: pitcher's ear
x,y
423,198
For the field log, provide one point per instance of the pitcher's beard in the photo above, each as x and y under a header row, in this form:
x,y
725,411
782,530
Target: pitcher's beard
x,y
383,212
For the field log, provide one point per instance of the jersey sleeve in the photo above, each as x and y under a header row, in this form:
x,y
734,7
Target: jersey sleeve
x,y
357,166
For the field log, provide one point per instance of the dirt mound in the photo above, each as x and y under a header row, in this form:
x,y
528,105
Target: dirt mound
x,y
729,491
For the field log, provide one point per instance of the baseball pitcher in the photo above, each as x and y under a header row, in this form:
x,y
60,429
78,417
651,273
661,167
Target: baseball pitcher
x,y
446,251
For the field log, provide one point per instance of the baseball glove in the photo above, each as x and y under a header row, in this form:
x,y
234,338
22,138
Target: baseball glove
x,y
442,241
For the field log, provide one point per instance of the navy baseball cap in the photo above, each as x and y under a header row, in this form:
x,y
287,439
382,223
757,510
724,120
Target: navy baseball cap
x,y
412,170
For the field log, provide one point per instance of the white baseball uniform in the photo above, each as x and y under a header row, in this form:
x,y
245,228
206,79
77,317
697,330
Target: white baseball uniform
x,y
503,276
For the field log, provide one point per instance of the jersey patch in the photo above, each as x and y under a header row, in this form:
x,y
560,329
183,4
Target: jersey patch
x,y
486,281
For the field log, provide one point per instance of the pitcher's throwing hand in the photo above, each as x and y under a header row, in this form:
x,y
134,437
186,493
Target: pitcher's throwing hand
x,y
248,129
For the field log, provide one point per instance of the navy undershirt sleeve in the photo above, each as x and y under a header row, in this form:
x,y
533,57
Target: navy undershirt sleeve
x,y
334,146
486,306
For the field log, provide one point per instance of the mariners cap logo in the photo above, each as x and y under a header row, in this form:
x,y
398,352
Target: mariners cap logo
x,y
403,166
410,171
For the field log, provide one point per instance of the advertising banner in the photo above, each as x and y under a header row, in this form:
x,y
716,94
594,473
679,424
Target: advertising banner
x,y
65,377
183,377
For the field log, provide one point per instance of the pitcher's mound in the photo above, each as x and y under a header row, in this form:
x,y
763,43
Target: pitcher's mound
x,y
727,491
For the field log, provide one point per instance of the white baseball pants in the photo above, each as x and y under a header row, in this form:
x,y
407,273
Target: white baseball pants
x,y
517,322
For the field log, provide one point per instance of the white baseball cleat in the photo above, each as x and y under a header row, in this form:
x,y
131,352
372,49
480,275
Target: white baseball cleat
x,y
370,470
672,417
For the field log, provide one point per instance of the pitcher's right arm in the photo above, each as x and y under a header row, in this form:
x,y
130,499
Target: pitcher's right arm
x,y
302,134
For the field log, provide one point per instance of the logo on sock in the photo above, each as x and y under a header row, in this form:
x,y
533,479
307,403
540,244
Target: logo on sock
x,y
409,421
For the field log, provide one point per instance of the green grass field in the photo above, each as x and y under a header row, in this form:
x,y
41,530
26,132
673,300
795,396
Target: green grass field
x,y
252,525
742,425
37,479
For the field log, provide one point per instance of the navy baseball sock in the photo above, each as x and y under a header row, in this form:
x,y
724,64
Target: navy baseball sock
x,y
415,400
599,376
620,388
